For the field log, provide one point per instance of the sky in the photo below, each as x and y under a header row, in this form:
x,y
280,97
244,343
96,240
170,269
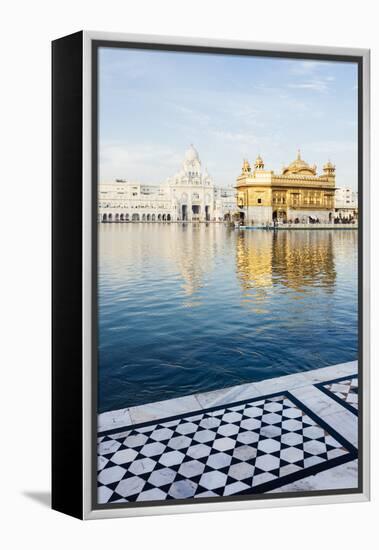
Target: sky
x,y
154,104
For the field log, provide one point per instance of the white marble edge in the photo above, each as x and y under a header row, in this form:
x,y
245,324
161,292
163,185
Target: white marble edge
x,y
113,419
191,403
344,476
330,411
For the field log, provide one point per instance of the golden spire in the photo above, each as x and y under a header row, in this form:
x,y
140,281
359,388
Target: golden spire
x,y
259,164
246,167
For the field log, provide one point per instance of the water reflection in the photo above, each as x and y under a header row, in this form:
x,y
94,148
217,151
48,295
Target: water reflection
x,y
294,259
187,308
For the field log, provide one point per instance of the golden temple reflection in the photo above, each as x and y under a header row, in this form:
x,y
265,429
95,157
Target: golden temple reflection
x,y
293,259
304,259
189,254
254,263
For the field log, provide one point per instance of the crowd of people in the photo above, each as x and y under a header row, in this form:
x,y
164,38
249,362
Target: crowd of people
x,y
309,220
345,219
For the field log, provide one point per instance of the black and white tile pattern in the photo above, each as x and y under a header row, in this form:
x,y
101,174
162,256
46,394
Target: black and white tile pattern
x,y
252,446
344,390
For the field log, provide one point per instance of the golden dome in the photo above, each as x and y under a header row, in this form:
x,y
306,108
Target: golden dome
x,y
299,166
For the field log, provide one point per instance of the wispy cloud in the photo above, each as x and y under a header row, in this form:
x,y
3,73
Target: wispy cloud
x,y
309,67
153,105
333,147
313,85
313,75
148,163
193,115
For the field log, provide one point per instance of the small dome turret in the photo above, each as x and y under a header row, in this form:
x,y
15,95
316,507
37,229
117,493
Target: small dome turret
x,y
259,164
246,167
329,168
191,154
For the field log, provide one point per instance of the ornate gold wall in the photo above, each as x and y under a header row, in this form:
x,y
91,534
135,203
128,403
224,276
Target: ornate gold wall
x,y
298,187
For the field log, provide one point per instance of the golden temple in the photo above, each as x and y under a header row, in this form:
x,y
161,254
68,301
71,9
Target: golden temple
x,y
295,195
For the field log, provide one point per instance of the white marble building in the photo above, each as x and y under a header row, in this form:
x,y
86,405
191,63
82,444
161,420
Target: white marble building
x,y
190,195
122,200
225,203
346,203
192,189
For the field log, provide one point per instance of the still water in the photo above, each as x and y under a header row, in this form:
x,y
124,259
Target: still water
x,y
191,308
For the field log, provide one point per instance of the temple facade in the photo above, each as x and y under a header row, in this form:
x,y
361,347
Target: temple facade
x,y
190,195
192,189
296,195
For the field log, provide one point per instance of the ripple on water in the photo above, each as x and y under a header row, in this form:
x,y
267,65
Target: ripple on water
x,y
184,309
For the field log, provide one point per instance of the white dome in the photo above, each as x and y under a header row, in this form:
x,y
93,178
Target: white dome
x,y
191,154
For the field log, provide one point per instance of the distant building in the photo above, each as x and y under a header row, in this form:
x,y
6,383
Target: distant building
x,y
189,195
346,203
122,200
297,194
225,203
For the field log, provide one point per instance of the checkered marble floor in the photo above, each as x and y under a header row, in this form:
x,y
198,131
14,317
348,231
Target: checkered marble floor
x,y
252,446
343,390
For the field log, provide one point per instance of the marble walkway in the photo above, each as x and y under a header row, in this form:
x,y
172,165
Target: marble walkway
x,y
290,434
